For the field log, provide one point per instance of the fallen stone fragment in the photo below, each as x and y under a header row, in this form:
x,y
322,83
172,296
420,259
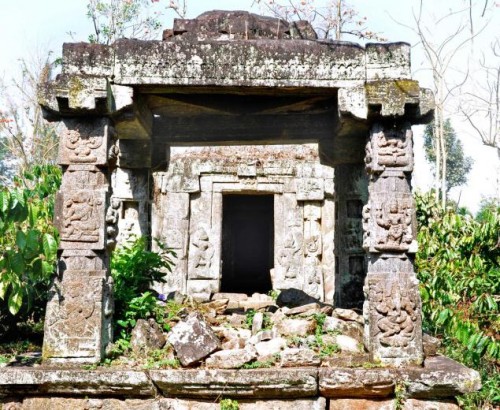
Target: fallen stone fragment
x,y
431,345
298,357
348,344
270,347
146,336
348,314
218,305
295,327
354,330
193,339
230,359
333,324
257,321
305,310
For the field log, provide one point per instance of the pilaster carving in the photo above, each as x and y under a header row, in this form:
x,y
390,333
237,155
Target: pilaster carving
x,y
392,305
78,318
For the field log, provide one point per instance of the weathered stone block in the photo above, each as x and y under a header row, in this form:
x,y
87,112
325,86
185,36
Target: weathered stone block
x,y
80,218
146,336
253,384
193,339
395,324
84,141
84,177
78,310
230,359
389,148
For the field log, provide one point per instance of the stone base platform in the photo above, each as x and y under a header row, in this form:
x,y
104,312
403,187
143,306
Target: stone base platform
x,y
432,386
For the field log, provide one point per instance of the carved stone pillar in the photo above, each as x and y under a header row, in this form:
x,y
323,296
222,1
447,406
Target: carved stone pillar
x,y
78,318
392,301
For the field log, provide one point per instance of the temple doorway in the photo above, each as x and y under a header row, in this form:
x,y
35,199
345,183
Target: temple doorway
x,y
247,243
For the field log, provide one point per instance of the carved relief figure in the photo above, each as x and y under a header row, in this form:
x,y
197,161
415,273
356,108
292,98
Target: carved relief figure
x,y
395,219
312,273
81,149
353,235
203,250
392,150
395,308
112,214
81,223
288,256
366,226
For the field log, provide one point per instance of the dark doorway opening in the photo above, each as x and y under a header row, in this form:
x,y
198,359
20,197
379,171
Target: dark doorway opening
x,y
247,243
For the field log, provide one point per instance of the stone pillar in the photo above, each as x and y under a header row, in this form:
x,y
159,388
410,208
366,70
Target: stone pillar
x,y
79,311
392,302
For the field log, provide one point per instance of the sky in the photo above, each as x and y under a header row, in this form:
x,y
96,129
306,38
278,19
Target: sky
x,y
33,26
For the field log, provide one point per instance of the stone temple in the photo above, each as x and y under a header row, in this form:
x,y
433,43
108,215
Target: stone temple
x,y
266,158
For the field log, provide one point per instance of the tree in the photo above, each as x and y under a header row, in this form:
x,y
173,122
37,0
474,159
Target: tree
x,y
26,138
114,19
441,55
458,165
335,20
481,106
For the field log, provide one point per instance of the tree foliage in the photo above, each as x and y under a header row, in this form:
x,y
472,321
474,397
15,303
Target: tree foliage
x,y
458,264
28,239
334,19
26,138
114,19
458,165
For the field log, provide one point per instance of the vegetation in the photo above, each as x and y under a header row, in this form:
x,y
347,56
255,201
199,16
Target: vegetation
x,y
459,269
28,244
458,165
229,404
134,269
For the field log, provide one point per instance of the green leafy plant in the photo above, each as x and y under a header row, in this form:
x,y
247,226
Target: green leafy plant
x,y
400,393
458,264
160,359
28,242
259,364
229,404
134,269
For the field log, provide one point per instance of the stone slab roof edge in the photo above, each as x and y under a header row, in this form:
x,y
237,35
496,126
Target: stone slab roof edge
x,y
89,69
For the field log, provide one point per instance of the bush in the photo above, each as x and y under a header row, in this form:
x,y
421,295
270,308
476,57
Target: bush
x,y
28,244
458,265
134,269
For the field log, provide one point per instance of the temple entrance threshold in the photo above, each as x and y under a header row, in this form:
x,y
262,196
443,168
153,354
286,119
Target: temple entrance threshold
x,y
247,243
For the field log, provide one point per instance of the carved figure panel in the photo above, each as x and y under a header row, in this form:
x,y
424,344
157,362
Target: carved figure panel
x,y
84,142
395,316
389,224
74,318
80,219
112,218
289,255
201,254
328,254
389,148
